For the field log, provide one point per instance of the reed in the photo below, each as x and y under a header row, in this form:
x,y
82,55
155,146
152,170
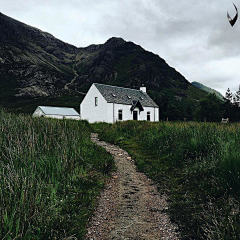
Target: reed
x,y
50,176
197,164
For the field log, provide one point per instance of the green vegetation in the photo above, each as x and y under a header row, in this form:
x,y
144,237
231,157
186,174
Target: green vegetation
x,y
207,89
197,164
210,109
124,67
50,176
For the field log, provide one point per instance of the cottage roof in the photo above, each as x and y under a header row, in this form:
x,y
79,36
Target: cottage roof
x,y
124,95
63,111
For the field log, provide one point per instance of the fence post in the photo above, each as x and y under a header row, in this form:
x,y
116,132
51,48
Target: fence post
x,y
185,119
205,120
167,119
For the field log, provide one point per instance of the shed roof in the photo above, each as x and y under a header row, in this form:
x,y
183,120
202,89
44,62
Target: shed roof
x,y
63,111
124,95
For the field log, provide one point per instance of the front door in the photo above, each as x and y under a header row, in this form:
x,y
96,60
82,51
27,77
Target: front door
x,y
135,115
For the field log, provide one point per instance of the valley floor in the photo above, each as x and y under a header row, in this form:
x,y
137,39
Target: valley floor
x,y
130,207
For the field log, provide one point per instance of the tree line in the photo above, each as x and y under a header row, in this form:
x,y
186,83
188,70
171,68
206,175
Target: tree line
x,y
210,109
214,109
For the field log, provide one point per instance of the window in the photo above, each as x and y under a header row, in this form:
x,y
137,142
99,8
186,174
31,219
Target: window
x,y
128,97
148,116
114,95
96,101
120,115
141,98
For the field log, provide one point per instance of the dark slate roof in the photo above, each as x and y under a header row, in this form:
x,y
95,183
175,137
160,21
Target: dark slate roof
x,y
124,95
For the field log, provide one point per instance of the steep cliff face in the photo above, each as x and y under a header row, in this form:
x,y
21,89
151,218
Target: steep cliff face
x,y
126,64
34,61
35,67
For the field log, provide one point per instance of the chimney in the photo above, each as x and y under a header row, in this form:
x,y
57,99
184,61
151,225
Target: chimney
x,y
143,89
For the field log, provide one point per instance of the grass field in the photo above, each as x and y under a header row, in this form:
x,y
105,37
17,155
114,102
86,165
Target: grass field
x,y
197,164
50,176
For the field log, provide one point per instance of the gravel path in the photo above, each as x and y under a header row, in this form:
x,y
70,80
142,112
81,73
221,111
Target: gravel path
x,y
130,206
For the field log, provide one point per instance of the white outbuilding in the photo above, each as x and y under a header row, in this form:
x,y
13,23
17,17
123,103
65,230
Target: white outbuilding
x,y
56,112
106,103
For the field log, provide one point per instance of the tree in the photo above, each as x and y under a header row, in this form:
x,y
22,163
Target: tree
x,y
228,95
174,112
209,108
230,106
236,97
189,112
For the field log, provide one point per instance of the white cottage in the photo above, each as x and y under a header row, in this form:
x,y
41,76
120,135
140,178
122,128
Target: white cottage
x,y
56,112
105,103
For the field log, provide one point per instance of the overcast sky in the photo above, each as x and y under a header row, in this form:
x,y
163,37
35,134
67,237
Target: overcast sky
x,y
194,37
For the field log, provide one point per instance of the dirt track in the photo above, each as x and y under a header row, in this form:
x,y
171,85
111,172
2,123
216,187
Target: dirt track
x,y
130,206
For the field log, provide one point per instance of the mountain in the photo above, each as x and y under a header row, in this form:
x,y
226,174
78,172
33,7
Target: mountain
x,y
207,89
38,69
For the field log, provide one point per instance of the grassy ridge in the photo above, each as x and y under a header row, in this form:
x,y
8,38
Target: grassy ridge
x,y
198,165
50,176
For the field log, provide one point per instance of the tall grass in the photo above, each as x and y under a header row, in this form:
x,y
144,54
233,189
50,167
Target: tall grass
x,y
50,176
198,164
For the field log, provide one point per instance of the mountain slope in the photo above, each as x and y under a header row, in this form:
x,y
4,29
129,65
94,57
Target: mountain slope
x,y
34,60
207,89
36,68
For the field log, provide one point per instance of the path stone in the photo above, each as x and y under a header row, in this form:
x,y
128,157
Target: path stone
x,y
130,206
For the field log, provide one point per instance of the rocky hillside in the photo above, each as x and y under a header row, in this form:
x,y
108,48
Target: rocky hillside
x,y
207,89
36,68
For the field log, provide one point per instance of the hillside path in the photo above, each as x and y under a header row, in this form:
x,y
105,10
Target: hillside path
x,y
130,206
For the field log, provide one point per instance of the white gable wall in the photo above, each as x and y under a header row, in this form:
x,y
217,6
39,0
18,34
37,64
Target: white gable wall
x,y
38,113
90,112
